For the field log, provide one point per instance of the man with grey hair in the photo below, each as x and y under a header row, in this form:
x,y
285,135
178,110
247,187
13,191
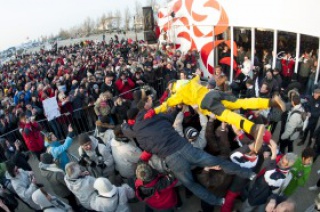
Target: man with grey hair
x,y
81,185
271,180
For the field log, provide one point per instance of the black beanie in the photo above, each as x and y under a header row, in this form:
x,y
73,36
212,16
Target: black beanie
x,y
83,138
132,113
46,158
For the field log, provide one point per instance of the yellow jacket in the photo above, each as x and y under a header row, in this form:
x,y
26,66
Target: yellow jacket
x,y
190,93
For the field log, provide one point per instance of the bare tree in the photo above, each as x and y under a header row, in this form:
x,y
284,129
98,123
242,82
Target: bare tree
x,y
88,25
103,22
118,19
64,34
152,3
138,16
127,18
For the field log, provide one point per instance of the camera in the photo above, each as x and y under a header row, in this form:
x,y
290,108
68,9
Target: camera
x,y
84,161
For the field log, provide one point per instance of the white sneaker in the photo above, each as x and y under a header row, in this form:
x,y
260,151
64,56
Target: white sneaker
x,y
318,172
313,188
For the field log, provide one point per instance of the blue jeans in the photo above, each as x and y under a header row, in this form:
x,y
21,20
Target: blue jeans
x,y
180,164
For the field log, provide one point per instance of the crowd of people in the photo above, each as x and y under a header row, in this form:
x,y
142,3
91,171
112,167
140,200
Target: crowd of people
x,y
146,126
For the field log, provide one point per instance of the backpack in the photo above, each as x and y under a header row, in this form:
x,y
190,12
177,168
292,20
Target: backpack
x,y
304,118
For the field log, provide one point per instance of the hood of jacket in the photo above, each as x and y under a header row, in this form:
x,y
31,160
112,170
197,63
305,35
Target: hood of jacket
x,y
39,198
50,167
82,188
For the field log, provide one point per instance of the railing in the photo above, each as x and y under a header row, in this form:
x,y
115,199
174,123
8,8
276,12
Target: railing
x,y
82,119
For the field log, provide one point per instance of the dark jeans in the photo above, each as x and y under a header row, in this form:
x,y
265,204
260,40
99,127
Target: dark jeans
x,y
180,164
284,144
310,128
72,201
57,129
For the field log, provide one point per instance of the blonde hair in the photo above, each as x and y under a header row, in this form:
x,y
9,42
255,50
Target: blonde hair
x,y
73,170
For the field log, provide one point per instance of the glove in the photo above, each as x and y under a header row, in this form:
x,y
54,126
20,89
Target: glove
x,y
93,164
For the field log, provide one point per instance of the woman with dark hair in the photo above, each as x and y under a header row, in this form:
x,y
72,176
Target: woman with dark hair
x,y
23,183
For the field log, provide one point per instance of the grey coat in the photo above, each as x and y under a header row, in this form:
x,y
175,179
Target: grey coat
x,y
55,177
293,121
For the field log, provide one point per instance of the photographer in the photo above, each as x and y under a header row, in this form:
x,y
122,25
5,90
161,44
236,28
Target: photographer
x,y
30,131
124,84
96,157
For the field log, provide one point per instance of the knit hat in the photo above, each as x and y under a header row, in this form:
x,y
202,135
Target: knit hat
x,y
267,137
211,83
104,187
191,133
144,172
46,158
317,90
83,139
132,113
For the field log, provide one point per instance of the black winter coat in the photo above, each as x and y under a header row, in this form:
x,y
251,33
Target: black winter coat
x,y
156,135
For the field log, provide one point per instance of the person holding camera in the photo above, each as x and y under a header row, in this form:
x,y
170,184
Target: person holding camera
x,y
96,157
31,133
23,183
124,84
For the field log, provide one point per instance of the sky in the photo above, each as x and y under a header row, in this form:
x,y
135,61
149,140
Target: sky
x,y
22,19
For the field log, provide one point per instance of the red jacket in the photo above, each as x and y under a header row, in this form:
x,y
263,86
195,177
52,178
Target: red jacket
x,y
162,198
125,88
32,136
287,67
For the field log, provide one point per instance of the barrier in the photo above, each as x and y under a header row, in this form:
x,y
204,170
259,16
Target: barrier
x,y
81,119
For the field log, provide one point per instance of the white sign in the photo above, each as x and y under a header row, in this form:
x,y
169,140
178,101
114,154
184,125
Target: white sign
x,y
51,108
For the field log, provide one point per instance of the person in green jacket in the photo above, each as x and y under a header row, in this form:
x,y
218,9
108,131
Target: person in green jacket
x,y
300,171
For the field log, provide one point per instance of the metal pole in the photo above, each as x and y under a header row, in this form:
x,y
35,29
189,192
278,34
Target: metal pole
x,y
232,57
253,41
318,66
297,53
275,48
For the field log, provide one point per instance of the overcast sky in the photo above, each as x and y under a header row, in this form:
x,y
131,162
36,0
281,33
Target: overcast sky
x,y
22,19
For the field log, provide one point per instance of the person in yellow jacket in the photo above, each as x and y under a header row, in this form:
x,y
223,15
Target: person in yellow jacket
x,y
220,104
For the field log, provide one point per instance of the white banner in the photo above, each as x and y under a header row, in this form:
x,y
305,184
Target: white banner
x,y
51,108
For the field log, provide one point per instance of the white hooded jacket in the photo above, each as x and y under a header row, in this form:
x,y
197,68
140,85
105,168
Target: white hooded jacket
x,y
23,186
54,205
117,203
83,189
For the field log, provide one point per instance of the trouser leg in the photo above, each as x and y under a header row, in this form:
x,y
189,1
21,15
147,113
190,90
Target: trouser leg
x,y
216,103
206,207
229,201
283,145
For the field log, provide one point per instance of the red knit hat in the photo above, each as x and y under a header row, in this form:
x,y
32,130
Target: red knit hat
x,y
267,137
